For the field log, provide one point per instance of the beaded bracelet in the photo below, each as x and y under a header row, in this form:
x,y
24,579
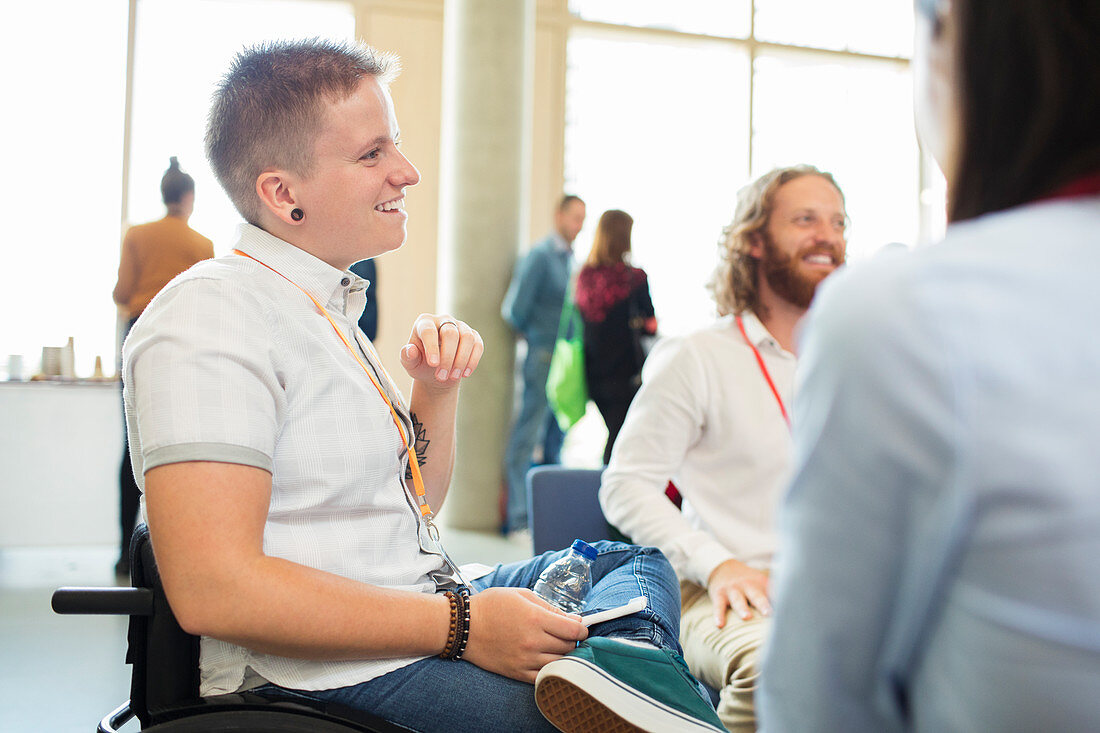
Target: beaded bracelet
x,y
448,650
459,633
462,635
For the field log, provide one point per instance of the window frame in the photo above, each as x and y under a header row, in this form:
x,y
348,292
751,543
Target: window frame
x,y
929,208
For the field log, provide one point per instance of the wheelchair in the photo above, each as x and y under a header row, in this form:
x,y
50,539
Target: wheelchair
x,y
164,686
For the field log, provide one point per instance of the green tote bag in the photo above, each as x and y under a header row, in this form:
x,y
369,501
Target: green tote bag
x,y
566,388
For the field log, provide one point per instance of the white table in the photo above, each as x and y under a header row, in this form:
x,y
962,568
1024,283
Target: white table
x,y
60,449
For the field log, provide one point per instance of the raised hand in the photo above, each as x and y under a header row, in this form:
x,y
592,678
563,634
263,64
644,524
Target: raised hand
x,y
441,350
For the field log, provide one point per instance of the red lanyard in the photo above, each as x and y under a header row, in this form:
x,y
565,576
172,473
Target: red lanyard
x,y
764,371
414,465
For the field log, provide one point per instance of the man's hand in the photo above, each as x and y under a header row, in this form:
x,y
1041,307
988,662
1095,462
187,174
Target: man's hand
x,y
735,585
514,633
441,350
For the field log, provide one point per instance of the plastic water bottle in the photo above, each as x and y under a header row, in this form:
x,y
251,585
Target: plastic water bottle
x,y
567,582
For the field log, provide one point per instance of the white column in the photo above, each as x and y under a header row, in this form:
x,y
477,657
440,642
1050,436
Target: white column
x,y
488,56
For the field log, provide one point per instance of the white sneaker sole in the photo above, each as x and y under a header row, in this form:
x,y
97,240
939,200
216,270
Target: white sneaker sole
x,y
576,696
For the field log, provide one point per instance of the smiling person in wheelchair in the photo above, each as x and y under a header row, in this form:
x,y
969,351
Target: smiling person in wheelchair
x,y
291,530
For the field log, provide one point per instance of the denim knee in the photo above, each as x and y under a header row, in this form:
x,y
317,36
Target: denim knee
x,y
624,571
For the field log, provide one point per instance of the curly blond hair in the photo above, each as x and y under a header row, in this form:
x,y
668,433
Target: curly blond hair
x,y
733,284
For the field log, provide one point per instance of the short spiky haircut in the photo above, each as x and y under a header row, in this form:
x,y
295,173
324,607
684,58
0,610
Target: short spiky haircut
x,y
734,280
269,107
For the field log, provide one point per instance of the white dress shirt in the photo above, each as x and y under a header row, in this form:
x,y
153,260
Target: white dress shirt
x,y
705,418
232,363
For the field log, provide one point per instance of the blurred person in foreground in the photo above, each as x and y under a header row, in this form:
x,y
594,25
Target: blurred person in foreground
x,y
939,543
711,415
153,254
290,488
613,300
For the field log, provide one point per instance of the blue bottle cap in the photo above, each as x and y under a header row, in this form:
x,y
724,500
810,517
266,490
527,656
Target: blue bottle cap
x,y
583,548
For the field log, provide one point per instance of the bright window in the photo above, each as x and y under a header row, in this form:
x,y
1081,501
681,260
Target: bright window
x,y
67,145
175,77
62,184
669,146
853,118
660,126
883,27
726,18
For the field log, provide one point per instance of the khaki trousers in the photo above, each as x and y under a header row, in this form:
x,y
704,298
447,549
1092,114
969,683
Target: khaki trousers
x,y
725,658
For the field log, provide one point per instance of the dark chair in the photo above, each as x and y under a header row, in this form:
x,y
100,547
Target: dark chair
x,y
164,687
562,505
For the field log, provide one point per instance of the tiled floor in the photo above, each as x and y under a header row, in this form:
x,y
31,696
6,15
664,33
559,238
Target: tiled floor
x,y
64,673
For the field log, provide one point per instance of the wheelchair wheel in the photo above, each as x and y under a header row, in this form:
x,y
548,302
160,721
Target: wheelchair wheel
x,y
253,721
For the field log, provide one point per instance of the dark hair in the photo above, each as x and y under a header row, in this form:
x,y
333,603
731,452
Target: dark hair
x,y
567,199
268,108
175,184
1028,97
612,240
734,281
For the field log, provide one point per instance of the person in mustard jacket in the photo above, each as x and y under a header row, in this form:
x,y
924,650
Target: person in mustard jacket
x,y
153,254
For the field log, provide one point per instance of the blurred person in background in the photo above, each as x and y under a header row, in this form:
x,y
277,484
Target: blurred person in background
x,y
711,416
153,254
532,306
368,270
613,300
940,537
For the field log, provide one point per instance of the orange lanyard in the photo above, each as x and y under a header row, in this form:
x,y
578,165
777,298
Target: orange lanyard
x,y
764,371
414,465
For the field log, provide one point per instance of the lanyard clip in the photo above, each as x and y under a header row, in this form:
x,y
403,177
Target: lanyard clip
x,y
433,531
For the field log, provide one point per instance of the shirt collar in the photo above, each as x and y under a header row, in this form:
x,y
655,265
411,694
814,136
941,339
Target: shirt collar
x,y
559,242
315,276
758,332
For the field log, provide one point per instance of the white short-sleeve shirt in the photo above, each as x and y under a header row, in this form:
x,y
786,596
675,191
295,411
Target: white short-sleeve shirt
x,y
233,363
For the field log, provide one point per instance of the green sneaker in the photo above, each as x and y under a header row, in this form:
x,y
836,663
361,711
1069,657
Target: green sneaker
x,y
613,686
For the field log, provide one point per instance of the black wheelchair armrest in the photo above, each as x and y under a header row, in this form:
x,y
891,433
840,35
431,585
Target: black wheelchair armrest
x,y
116,719
111,601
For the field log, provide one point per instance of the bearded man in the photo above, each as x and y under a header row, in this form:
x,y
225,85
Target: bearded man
x,y
711,416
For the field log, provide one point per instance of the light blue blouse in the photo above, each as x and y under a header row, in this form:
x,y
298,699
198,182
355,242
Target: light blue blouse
x,y
939,558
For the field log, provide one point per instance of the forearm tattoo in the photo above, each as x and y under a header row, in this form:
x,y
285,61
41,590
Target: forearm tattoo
x,y
420,446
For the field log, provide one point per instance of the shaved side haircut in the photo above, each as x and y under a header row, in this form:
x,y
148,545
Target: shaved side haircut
x,y
270,106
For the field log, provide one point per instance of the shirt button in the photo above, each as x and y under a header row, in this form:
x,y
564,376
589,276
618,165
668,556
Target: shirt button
x,y
346,281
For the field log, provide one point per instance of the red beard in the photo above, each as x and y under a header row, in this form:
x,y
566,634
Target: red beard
x,y
785,276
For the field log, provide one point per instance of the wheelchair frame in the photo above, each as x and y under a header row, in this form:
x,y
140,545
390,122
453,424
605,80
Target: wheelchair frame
x,y
164,685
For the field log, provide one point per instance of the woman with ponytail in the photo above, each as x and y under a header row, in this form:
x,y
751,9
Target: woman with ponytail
x,y
153,254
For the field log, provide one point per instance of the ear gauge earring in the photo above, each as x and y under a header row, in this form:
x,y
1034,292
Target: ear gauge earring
x,y
297,214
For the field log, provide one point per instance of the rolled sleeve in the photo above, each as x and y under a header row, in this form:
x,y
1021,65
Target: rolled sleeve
x,y
201,380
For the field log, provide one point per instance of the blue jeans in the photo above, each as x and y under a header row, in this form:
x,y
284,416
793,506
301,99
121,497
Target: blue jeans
x,y
440,695
527,431
551,444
